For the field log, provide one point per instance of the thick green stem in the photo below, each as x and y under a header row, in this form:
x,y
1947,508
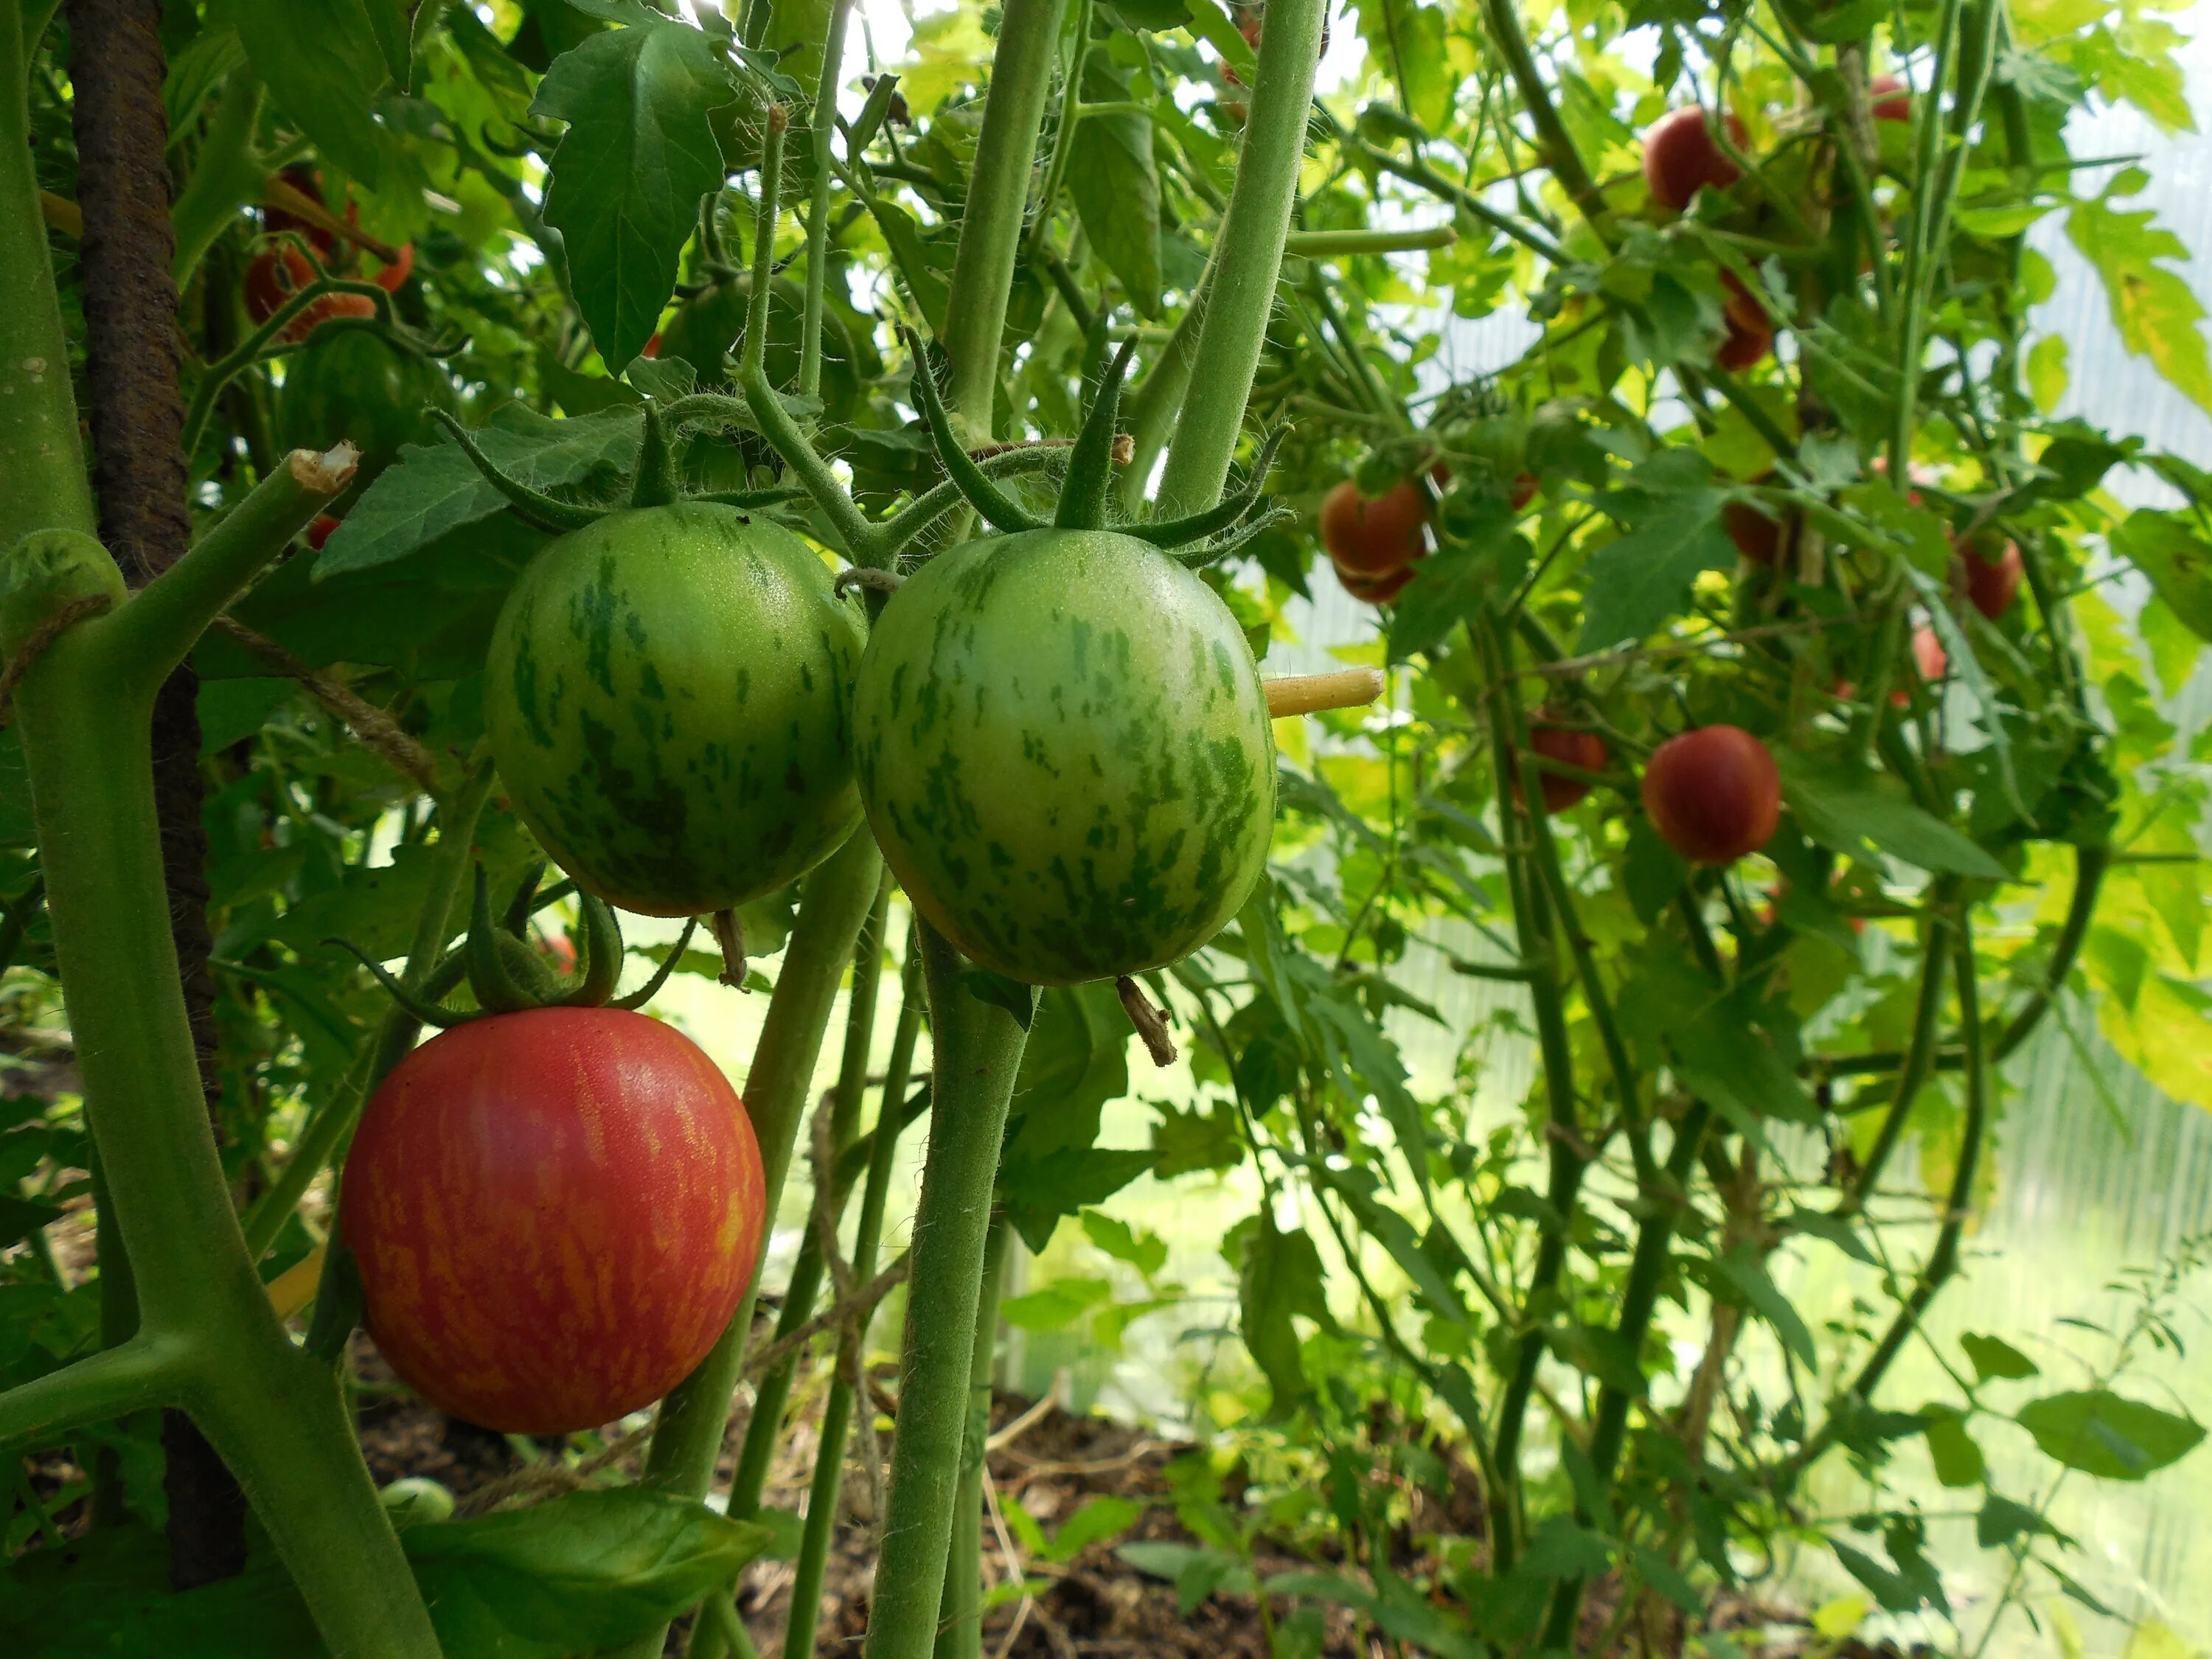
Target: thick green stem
x,y
1554,140
824,124
1248,259
1639,1300
1063,144
832,906
960,1615
42,475
978,1050
831,909
271,1411
837,1412
764,1431
1927,1013
1943,1260
1535,934
1152,407
997,195
395,1035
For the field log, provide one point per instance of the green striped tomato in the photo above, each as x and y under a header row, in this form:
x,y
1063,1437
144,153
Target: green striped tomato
x,y
1066,755
669,701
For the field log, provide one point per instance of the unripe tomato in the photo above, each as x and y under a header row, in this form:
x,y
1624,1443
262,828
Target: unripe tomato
x,y
1066,754
1584,748
1681,158
1713,795
669,701
353,383
1893,98
1374,535
1750,334
1993,584
276,274
554,1214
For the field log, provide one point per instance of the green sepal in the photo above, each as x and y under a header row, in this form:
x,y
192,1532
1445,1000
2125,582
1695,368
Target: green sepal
x,y
986,498
600,950
416,1007
524,901
1197,558
1181,532
1091,464
647,992
505,973
533,507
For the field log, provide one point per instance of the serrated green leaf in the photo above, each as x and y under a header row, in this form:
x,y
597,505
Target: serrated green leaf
x,y
627,178
1992,1357
1115,187
1959,1461
1672,505
1455,582
1848,814
2166,547
2157,315
437,489
323,65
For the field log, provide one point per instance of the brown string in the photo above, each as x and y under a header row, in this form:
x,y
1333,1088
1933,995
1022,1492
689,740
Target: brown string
x,y
68,617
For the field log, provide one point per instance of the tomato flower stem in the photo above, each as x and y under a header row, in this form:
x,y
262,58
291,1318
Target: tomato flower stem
x,y
978,1048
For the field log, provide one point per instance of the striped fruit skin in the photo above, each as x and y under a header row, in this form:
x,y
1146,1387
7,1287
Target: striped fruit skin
x,y
1066,754
669,697
554,1214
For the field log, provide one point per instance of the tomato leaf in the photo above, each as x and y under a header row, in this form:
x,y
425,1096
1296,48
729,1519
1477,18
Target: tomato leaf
x,y
2104,1434
1671,506
2153,307
323,66
1406,42
435,489
1959,1461
1847,814
1115,187
1278,1274
1993,1357
2176,559
626,180
1457,581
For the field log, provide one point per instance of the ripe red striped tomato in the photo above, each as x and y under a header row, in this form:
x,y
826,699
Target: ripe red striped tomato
x,y
1713,795
554,1214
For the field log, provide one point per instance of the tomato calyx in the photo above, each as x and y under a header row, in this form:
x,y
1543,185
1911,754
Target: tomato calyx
x,y
509,975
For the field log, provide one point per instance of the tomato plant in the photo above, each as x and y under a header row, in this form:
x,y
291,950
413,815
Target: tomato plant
x,y
448,440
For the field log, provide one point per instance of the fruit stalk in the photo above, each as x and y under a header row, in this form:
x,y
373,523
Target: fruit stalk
x,y
978,1050
1247,259
960,1616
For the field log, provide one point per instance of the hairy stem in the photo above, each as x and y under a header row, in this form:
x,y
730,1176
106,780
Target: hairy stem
x,y
978,1050
1247,259
819,130
960,1615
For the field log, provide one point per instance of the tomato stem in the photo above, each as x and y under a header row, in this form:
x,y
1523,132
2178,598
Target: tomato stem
x,y
1247,259
960,1614
978,1050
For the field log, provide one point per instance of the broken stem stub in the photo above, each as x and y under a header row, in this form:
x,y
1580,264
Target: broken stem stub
x,y
1152,1022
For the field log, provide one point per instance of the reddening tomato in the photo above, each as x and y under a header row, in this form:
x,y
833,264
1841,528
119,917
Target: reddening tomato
x,y
1892,98
354,384
1714,793
1757,537
1929,655
1373,590
1750,334
394,276
1993,584
554,1214
1374,535
1681,158
1584,748
321,531
276,274
1523,492
669,701
1066,754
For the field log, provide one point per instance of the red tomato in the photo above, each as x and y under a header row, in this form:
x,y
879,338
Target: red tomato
x,y
1893,98
1373,590
554,1214
1713,795
1928,656
1750,333
1993,584
275,275
1757,537
321,531
1681,158
1584,748
1376,535
1523,492
393,275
